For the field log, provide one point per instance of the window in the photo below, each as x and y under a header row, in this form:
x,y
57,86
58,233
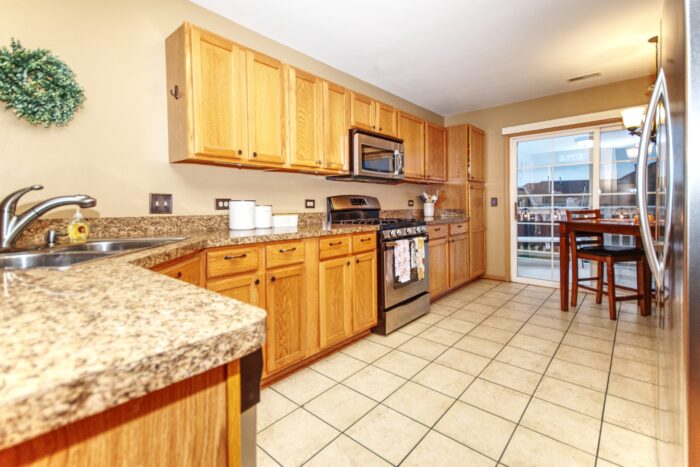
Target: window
x,y
570,170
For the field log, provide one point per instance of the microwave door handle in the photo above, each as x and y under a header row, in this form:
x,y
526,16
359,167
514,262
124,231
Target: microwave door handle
x,y
398,162
656,264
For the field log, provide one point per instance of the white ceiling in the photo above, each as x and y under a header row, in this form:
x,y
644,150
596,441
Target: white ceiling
x,y
452,56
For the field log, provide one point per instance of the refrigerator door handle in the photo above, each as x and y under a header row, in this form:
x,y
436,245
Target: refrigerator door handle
x,y
656,264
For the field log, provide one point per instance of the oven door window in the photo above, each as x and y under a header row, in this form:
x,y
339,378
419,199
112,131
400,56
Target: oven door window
x,y
376,159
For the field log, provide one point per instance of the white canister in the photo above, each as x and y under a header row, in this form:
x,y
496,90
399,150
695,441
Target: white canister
x,y
241,214
263,216
428,209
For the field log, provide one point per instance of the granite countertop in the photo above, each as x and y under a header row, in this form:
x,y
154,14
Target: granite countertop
x,y
446,220
79,341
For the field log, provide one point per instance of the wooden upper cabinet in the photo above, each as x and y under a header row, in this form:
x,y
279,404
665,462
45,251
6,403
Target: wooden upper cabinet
x,y
287,320
411,131
387,119
362,112
364,291
336,109
218,85
475,161
305,119
266,109
335,307
435,152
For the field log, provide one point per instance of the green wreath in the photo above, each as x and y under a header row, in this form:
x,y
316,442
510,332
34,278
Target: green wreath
x,y
38,86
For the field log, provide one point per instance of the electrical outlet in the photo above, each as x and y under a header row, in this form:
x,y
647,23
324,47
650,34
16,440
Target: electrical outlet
x,y
494,202
310,203
221,204
161,203
410,203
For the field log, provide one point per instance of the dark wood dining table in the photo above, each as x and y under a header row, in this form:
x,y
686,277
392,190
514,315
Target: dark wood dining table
x,y
609,226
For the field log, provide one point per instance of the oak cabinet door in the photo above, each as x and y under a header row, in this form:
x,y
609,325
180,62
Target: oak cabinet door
x,y
218,90
477,257
362,112
438,266
336,107
187,270
266,109
435,152
477,230
411,131
459,260
364,291
247,288
386,119
287,329
475,161
335,304
305,119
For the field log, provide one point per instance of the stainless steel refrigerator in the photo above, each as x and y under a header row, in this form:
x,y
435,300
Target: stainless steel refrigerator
x,y
672,243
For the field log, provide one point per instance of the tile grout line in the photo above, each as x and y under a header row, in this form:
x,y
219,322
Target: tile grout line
x,y
457,399
605,399
519,423
343,432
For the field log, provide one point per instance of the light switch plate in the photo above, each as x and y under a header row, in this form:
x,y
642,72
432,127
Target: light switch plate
x,y
310,203
221,204
410,203
494,202
160,203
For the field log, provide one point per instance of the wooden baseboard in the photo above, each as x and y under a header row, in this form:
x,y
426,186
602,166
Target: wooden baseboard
x,y
495,278
273,378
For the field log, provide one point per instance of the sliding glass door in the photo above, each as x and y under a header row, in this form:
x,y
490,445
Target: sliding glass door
x,y
567,171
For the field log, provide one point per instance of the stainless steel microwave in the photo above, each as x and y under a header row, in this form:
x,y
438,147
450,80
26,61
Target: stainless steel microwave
x,y
374,158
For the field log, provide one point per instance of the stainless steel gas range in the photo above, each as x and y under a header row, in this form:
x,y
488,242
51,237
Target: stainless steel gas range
x,y
402,245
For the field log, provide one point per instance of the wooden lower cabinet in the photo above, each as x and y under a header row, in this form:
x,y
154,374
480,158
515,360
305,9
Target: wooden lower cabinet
x,y
318,292
335,301
459,260
439,264
188,269
193,422
247,288
287,332
477,258
364,291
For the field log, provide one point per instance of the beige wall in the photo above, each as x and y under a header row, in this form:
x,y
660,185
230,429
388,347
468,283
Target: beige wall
x,y
493,120
116,149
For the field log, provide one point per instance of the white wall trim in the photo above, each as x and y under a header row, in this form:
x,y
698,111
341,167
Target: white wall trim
x,y
557,122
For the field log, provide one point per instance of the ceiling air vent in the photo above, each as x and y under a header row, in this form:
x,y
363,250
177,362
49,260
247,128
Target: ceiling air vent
x,y
582,77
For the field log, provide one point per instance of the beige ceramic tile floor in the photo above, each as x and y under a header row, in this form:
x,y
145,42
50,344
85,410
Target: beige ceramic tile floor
x,y
494,375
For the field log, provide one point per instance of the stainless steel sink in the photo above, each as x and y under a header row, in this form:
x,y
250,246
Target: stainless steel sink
x,y
63,256
121,245
45,260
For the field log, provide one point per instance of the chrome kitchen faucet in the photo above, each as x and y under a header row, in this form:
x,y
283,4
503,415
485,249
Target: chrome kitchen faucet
x,y
12,225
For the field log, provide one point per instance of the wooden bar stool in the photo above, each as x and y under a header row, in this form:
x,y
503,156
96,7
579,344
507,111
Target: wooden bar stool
x,y
590,246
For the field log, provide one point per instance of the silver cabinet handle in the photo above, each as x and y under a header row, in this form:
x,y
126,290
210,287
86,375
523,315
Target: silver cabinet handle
x,y
228,257
656,264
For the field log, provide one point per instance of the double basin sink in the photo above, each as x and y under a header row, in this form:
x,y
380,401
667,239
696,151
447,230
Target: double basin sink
x,y
63,256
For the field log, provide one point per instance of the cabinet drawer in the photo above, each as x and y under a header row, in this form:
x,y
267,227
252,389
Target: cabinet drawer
x,y
188,270
458,229
282,254
334,246
437,231
233,261
364,242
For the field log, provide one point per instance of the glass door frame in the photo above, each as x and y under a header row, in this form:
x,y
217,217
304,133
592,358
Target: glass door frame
x,y
513,189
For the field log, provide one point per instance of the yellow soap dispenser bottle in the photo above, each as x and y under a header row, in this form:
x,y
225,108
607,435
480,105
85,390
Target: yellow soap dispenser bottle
x,y
78,229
